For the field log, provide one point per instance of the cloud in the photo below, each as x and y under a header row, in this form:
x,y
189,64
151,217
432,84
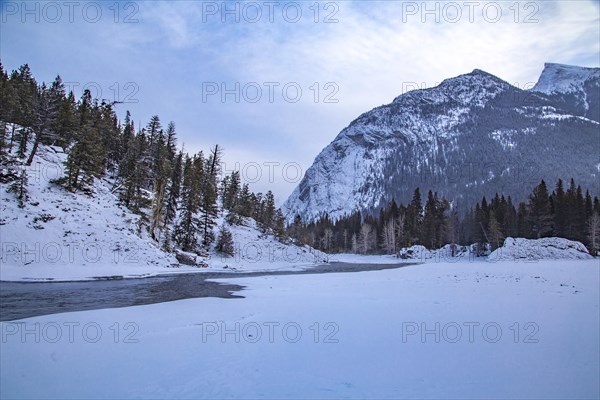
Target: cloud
x,y
375,51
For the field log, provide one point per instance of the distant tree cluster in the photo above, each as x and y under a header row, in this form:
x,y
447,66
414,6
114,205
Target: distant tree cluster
x,y
178,196
564,213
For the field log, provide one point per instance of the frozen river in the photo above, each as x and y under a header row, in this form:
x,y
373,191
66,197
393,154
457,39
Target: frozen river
x,y
23,300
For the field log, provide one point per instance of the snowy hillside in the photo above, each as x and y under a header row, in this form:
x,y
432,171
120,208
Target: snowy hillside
x,y
60,235
472,135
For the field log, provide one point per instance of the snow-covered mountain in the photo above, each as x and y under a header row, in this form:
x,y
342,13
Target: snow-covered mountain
x,y
472,135
575,88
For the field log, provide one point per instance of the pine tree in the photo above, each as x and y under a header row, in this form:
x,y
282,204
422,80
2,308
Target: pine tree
x,y
56,102
9,109
268,215
23,135
46,112
479,224
279,227
441,221
245,205
128,136
231,190
19,188
414,218
225,243
107,124
171,141
189,226
85,160
153,130
540,217
26,93
66,122
131,173
579,217
571,204
510,219
561,210
85,108
173,191
208,189
484,217
523,226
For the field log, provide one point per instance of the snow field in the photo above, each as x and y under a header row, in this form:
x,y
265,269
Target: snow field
x,y
527,330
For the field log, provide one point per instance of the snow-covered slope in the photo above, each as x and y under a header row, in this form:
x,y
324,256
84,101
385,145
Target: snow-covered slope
x,y
255,251
540,249
59,235
62,235
472,135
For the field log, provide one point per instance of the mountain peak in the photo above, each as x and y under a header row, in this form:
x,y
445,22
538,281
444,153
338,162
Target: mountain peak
x,y
473,88
563,78
478,71
477,77
430,138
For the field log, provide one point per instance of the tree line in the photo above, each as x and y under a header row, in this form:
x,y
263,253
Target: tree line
x,y
566,213
178,195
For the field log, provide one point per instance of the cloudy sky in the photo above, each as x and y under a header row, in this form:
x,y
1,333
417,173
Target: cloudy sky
x,y
273,82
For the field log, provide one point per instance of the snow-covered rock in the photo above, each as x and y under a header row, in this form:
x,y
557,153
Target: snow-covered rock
x,y
451,253
540,249
416,252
